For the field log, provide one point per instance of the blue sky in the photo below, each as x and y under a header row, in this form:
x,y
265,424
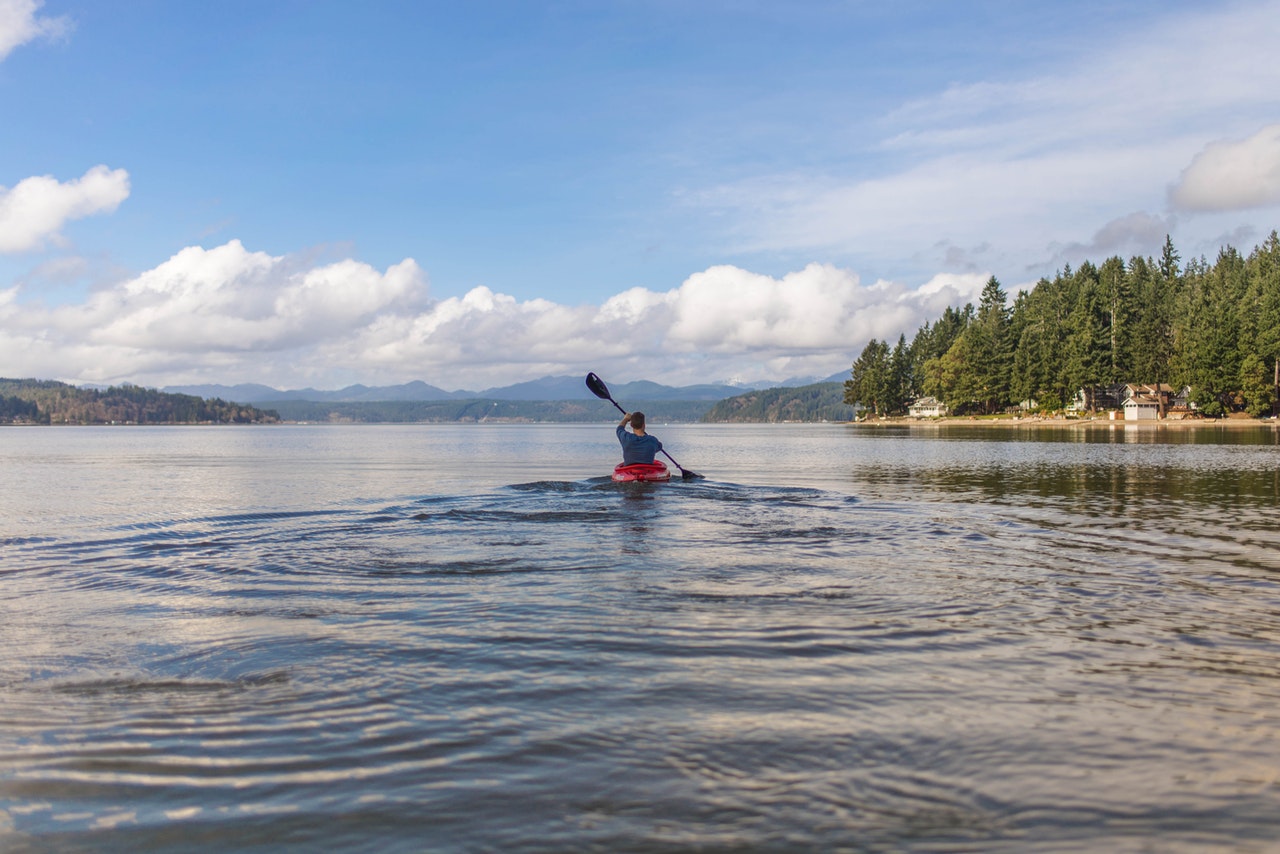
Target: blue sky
x,y
319,193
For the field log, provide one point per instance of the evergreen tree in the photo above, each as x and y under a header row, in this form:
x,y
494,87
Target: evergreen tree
x,y
1259,320
1152,339
955,377
902,383
990,351
1026,330
1257,385
870,382
931,342
1169,259
1051,308
1121,311
1207,333
1088,344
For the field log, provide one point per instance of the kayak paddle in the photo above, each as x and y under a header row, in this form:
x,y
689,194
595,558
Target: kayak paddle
x,y
600,390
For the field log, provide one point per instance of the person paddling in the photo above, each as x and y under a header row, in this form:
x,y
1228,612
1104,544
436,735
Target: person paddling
x,y
600,390
637,446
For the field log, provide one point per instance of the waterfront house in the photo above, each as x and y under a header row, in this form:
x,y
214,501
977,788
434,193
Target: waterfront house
x,y
1163,393
1095,398
927,407
1146,402
1142,408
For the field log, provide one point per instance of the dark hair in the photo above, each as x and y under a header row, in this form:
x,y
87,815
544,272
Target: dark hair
x,y
637,420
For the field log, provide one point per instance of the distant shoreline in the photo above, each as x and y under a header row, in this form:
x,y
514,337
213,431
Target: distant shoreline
x,y
1075,423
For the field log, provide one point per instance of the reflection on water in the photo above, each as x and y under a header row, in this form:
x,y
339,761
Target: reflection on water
x,y
406,639
1173,486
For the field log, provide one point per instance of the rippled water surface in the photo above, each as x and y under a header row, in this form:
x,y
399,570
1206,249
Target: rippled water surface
x,y
464,638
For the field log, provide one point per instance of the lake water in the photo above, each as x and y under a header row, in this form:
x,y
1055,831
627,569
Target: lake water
x,y
465,638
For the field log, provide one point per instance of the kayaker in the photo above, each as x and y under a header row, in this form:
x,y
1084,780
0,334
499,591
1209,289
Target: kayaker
x,y
637,446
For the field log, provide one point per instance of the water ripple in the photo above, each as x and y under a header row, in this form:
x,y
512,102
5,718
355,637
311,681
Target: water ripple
x,y
987,664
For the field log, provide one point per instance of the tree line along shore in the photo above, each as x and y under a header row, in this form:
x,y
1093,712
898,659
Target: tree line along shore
x,y
51,402
1212,328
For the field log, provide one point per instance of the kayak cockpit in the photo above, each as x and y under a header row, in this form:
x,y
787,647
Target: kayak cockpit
x,y
654,472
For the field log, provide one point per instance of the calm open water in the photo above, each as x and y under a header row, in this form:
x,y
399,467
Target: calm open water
x,y
465,638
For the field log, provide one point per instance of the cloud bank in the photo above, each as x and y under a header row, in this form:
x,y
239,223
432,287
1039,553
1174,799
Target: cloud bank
x,y
37,208
20,24
1235,175
228,314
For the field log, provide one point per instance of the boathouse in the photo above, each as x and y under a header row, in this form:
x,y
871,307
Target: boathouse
x,y
1141,407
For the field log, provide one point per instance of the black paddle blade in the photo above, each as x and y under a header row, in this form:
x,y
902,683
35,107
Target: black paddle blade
x,y
598,388
685,474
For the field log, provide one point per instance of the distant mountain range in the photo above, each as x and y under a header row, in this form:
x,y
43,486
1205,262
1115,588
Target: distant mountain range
x,y
547,388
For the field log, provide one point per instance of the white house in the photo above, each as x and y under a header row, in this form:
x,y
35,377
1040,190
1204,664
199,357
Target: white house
x,y
1141,407
927,407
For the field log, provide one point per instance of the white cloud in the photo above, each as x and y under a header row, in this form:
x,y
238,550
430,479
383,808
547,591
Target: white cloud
x,y
729,310
37,208
721,323
231,300
20,24
1234,175
1035,164
228,314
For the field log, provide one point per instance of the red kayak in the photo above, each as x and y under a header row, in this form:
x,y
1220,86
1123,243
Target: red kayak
x,y
654,472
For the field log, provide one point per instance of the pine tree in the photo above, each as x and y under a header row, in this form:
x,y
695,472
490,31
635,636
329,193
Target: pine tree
x,y
1260,326
901,381
1027,380
869,384
1088,345
1121,311
991,350
1152,338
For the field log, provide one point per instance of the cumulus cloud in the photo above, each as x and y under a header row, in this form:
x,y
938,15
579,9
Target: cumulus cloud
x,y
20,24
722,323
1233,175
229,299
35,210
229,314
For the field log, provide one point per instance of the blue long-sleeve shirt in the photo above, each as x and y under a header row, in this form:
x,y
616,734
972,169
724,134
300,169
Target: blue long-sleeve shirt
x,y
637,449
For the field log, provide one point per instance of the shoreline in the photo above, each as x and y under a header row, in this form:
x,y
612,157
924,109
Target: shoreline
x,y
1076,423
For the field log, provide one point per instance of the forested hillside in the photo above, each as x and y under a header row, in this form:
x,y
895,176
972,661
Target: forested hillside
x,y
49,402
1213,327
817,402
